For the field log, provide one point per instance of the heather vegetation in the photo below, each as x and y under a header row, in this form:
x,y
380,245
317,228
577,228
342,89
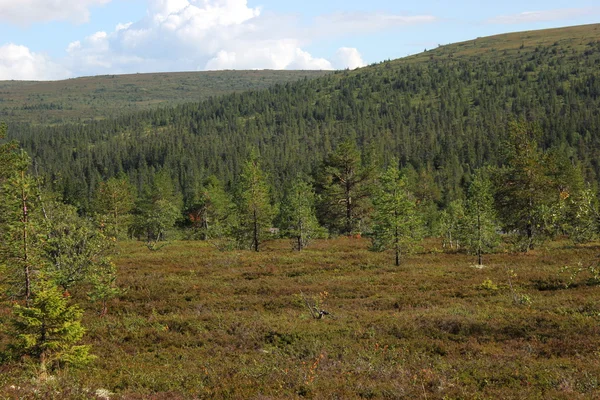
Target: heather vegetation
x,y
422,228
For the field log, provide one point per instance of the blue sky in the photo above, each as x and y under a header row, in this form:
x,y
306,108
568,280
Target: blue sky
x,y
57,39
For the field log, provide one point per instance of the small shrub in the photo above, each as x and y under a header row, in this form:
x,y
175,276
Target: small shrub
x,y
489,285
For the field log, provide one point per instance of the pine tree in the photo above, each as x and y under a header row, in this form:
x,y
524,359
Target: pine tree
x,y
524,192
344,185
396,222
103,284
7,155
298,217
157,210
214,215
114,201
49,329
255,210
20,229
74,247
479,230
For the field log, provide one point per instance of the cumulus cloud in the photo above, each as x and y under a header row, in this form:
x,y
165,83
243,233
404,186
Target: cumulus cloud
x,y
221,34
348,58
542,16
28,11
179,35
19,63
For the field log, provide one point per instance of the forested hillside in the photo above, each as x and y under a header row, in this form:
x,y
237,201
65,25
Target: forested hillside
x,y
491,146
444,112
98,97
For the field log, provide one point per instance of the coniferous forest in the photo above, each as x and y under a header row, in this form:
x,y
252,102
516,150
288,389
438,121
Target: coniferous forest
x,y
399,184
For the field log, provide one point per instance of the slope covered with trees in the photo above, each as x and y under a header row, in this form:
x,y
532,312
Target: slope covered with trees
x,y
99,97
443,114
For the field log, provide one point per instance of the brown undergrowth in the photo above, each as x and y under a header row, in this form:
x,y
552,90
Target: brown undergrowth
x,y
198,323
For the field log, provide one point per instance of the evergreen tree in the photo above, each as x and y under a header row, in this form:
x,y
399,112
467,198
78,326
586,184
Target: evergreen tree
x,y
20,230
255,210
344,185
157,210
49,329
114,201
396,222
479,231
524,193
75,249
298,218
214,215
103,284
7,154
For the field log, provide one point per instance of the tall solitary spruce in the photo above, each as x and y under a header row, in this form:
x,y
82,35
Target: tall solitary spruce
x,y
344,185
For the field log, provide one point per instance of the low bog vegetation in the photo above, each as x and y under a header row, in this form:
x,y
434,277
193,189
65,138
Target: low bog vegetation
x,y
194,322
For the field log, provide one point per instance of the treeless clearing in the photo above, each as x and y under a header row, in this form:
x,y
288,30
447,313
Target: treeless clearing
x,y
199,323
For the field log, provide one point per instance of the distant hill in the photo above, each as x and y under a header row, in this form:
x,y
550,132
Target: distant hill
x,y
513,45
99,97
443,112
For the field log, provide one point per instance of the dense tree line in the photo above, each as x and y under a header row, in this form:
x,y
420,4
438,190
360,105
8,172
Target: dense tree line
x,y
445,118
532,196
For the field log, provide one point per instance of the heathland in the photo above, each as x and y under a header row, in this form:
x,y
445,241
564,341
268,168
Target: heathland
x,y
420,228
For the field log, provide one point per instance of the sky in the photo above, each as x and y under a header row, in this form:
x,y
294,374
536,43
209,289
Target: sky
x,y
60,39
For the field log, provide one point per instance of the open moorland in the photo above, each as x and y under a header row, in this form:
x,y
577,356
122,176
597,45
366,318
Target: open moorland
x,y
475,142
196,322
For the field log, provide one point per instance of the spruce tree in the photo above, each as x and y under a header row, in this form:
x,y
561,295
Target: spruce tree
x,y
49,329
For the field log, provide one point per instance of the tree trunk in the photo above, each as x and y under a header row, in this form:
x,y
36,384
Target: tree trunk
x,y
25,221
255,239
479,244
397,247
348,209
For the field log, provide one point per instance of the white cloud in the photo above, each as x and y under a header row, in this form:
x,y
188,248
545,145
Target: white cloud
x,y
348,58
221,34
180,35
28,11
542,16
121,27
341,24
19,63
